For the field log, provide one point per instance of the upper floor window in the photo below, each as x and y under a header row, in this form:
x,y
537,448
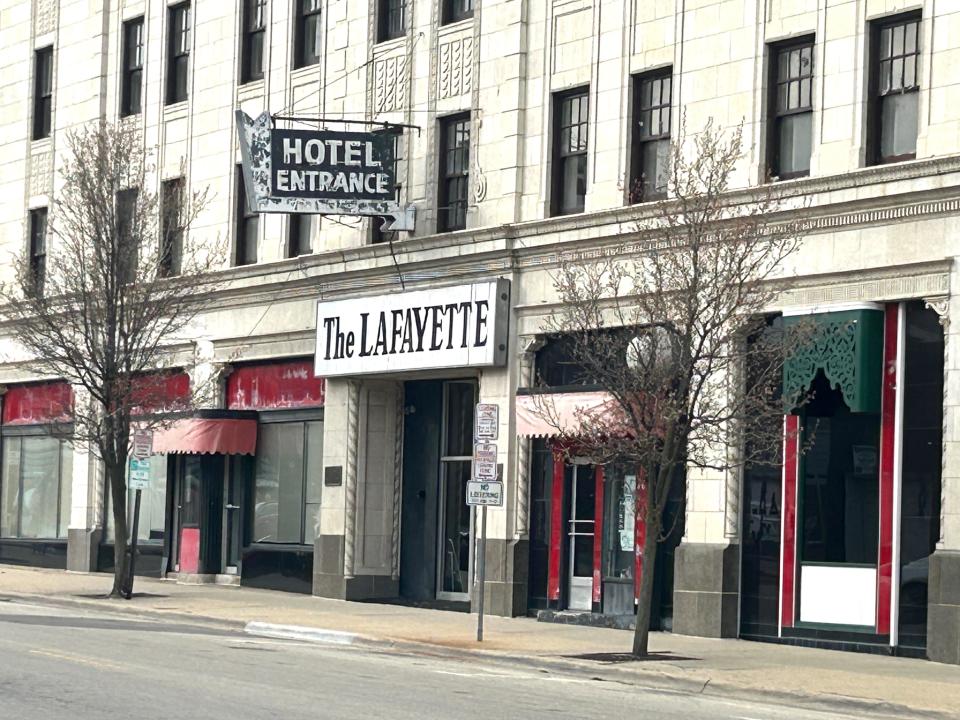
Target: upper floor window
x,y
377,233
178,52
42,92
650,162
128,234
570,114
790,138
457,10
38,251
391,19
254,21
247,226
131,89
171,227
895,89
307,33
454,172
300,235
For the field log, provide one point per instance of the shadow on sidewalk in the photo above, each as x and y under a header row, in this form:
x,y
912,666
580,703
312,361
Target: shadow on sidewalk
x,y
612,658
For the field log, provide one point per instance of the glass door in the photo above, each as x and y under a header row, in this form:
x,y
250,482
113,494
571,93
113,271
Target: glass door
x,y
455,522
580,532
189,512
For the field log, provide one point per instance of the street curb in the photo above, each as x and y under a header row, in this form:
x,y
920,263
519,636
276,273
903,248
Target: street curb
x,y
650,680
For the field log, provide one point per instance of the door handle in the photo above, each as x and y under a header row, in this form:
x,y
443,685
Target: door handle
x,y
232,507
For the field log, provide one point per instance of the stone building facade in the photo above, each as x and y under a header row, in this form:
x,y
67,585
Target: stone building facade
x,y
537,128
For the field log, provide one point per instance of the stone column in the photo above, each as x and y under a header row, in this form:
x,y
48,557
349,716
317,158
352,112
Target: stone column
x,y
943,590
85,531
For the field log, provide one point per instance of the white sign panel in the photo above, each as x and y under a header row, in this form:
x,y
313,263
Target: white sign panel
x,y
459,326
488,421
139,475
485,493
484,462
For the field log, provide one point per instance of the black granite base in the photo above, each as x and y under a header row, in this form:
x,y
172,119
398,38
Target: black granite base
x,y
35,553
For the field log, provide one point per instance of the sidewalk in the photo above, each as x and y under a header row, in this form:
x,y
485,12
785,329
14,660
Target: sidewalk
x,y
848,681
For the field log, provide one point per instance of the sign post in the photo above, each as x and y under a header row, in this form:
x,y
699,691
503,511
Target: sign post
x,y
139,478
484,489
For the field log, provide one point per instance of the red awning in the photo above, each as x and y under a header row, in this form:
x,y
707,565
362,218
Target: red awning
x,y
551,414
203,435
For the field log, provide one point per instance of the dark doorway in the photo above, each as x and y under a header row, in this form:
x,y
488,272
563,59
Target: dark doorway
x,y
198,514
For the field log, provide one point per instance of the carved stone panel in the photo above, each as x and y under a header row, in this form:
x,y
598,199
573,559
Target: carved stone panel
x,y
46,16
389,83
455,76
41,173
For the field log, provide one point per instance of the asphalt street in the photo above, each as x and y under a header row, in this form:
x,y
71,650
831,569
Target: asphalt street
x,y
65,663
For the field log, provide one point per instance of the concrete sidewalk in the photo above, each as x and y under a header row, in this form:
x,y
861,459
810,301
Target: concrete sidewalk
x,y
844,681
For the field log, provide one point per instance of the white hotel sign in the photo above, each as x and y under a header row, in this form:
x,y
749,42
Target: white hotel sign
x,y
459,326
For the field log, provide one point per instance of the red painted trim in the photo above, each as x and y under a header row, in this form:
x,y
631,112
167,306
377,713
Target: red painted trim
x,y
556,527
597,533
640,529
791,442
38,403
160,392
888,416
275,386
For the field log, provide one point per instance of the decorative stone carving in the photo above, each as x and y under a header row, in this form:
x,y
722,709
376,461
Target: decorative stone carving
x,y
456,67
45,16
940,304
350,481
397,480
389,84
41,173
527,358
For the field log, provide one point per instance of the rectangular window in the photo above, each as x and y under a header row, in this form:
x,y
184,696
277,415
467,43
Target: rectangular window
x,y
377,233
153,504
254,33
454,173
42,92
650,163
571,111
247,226
895,89
35,487
171,227
300,235
128,234
392,20
38,250
178,52
307,33
131,89
287,482
457,10
790,139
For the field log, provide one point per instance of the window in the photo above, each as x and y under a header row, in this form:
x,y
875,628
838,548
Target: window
x,y
128,234
650,164
570,152
131,89
35,487
454,173
307,33
288,482
377,233
153,505
457,10
254,31
391,21
790,139
38,250
248,226
171,227
42,92
178,48
895,87
299,238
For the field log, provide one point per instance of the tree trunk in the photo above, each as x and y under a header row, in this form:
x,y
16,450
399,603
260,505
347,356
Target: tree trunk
x,y
641,634
117,481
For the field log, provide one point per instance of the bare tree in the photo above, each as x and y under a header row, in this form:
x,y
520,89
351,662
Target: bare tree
x,y
676,331
108,307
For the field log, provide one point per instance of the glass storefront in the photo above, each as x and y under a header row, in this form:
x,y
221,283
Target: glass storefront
x,y
153,506
35,487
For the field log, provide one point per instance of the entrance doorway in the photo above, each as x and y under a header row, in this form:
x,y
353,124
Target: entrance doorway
x,y
198,497
581,526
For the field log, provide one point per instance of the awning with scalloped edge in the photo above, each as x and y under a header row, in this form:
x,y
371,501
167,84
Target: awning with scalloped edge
x,y
224,436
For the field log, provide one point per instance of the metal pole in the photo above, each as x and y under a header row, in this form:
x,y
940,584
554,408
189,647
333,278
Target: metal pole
x,y
133,539
481,571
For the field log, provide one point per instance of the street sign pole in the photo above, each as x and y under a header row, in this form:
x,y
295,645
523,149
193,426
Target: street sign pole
x,y
138,478
134,531
481,570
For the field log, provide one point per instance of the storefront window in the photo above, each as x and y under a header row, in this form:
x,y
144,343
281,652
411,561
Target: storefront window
x,y
620,522
36,483
288,482
153,505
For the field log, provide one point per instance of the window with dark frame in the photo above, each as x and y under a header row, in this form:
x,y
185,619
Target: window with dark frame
x,y
171,227
131,89
456,10
247,226
377,233
454,173
38,251
254,24
128,234
790,136
894,89
178,52
300,235
650,161
391,19
307,33
571,110
42,92
37,475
